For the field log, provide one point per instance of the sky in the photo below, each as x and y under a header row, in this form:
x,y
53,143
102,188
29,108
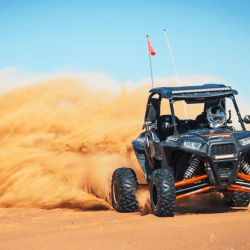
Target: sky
x,y
207,37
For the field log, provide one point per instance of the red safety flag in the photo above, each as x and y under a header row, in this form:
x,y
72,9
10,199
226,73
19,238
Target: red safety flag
x,y
150,48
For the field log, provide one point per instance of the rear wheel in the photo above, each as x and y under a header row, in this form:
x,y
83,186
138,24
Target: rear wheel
x,y
162,193
236,199
123,187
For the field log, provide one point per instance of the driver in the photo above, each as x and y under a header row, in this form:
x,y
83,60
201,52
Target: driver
x,y
216,117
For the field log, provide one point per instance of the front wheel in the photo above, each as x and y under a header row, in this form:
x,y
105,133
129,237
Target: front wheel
x,y
123,187
236,199
162,193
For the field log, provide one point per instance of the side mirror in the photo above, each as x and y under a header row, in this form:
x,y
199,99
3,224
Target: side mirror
x,y
166,126
247,119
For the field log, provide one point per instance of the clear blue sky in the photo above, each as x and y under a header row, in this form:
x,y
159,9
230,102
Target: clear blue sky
x,y
208,37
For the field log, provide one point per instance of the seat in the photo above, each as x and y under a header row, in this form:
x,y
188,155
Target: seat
x,y
162,134
153,110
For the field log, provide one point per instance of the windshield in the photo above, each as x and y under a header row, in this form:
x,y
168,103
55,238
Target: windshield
x,y
196,110
192,110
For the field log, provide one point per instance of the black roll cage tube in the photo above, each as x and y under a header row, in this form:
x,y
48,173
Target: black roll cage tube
x,y
238,113
171,102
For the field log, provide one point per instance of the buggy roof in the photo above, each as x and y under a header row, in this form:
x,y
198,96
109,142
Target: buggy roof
x,y
194,92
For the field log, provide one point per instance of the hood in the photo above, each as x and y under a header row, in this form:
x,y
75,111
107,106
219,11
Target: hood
x,y
206,135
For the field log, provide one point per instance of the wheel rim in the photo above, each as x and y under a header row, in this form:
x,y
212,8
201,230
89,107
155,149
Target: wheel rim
x,y
115,191
154,194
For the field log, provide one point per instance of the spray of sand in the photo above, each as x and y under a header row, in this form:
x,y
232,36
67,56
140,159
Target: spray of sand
x,y
60,141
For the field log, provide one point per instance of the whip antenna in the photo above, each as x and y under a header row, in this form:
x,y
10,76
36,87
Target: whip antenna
x,y
177,77
152,80
151,52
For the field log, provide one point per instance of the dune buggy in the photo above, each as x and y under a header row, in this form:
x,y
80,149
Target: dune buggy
x,y
180,158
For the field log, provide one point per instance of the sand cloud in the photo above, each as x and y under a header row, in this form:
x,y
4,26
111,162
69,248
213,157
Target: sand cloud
x,y
62,137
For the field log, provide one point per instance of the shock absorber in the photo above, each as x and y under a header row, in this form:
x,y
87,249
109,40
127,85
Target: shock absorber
x,y
245,167
194,164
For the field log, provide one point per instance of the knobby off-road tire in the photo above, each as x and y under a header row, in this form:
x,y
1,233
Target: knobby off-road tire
x,y
162,193
123,187
236,199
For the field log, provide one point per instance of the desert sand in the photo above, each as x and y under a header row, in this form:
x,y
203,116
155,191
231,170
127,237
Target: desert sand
x,y
207,226
60,141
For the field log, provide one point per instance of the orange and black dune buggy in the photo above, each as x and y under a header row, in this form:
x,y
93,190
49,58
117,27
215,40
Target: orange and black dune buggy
x,y
180,158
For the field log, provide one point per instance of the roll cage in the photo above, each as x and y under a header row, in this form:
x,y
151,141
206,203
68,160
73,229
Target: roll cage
x,y
209,94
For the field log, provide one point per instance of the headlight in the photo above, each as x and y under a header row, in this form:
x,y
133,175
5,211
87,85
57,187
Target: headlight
x,y
245,141
192,145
